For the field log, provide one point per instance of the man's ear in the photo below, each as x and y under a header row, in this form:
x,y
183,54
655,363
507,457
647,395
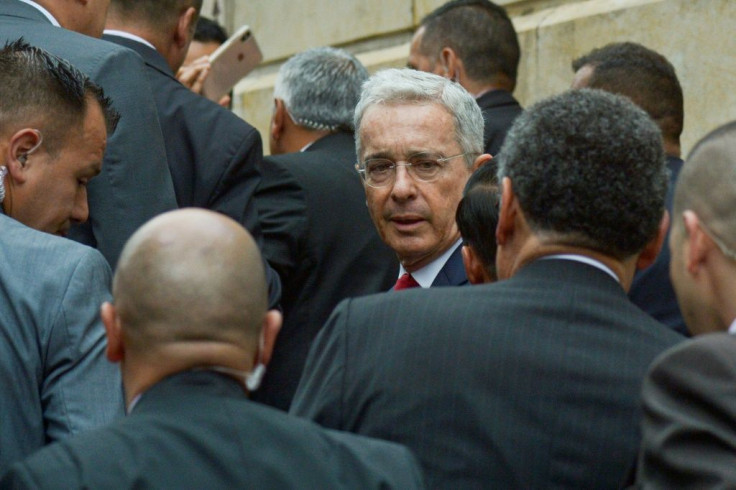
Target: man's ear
x,y
699,242
22,143
480,161
271,326
473,266
506,213
652,249
277,119
185,27
115,349
450,64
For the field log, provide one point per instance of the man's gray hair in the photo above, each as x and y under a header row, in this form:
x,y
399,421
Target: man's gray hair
x,y
320,88
588,169
407,86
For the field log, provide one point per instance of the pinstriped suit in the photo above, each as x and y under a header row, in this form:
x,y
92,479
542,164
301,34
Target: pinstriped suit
x,y
531,382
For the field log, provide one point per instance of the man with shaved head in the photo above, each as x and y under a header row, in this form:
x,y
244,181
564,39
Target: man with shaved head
x,y
688,397
190,329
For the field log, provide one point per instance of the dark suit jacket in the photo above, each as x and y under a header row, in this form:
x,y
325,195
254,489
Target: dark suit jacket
x,y
213,154
135,183
198,430
320,238
532,382
499,108
689,424
652,290
453,272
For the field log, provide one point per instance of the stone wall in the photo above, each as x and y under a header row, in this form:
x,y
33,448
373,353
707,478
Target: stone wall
x,y
695,35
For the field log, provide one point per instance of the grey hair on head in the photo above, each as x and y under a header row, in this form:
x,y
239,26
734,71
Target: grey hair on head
x,y
405,86
320,88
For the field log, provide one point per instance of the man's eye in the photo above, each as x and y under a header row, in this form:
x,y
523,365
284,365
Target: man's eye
x,y
379,168
426,165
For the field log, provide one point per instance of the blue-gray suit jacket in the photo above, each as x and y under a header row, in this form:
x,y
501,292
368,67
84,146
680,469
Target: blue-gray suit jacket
x,y
54,377
135,183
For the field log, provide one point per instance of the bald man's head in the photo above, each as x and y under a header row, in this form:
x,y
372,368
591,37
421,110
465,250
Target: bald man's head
x,y
707,185
190,276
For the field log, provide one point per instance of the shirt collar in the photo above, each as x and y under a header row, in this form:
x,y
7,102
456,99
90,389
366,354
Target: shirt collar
x,y
132,37
732,328
585,260
427,274
45,12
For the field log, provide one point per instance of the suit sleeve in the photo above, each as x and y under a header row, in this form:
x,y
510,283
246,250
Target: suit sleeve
x,y
319,396
80,389
135,184
282,212
689,401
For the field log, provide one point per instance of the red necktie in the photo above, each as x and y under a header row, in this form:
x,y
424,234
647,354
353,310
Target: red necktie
x,y
406,282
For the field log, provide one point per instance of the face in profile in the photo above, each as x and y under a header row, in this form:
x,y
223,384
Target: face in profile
x,y
419,61
416,219
49,192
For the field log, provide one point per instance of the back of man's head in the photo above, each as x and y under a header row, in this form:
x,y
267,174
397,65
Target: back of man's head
x,y
642,75
477,218
481,34
154,14
320,88
588,170
707,186
190,277
44,92
209,31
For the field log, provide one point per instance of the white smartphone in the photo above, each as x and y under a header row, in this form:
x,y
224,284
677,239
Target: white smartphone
x,y
237,57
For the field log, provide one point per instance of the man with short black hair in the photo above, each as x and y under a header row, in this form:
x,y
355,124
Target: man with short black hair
x,y
135,184
477,218
317,232
473,42
213,154
650,81
502,383
54,124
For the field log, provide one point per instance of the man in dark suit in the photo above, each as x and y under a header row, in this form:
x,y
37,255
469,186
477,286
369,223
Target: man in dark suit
x,y
317,231
135,184
473,43
533,381
418,137
213,154
688,396
190,328
56,381
650,81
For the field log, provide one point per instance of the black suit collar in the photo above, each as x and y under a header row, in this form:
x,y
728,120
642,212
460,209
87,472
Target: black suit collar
x,y
496,98
150,56
331,140
178,387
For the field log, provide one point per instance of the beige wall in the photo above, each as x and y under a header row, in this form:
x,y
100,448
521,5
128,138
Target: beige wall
x,y
695,35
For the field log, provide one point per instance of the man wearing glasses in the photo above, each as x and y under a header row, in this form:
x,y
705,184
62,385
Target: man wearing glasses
x,y
418,139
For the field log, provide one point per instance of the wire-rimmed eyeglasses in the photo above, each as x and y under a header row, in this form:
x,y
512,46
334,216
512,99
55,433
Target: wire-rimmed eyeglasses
x,y
423,167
